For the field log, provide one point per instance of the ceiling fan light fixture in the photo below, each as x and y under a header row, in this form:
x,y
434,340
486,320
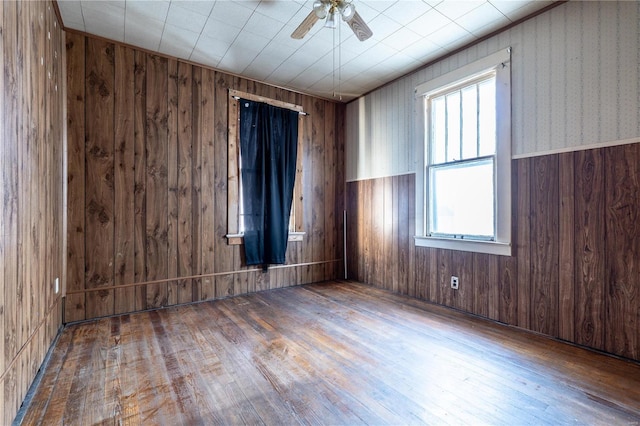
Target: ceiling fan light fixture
x,y
347,10
320,9
331,22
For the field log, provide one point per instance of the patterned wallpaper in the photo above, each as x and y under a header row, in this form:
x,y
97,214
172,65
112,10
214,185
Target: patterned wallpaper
x,y
575,84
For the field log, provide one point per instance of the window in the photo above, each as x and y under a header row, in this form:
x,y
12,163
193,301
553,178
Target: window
x,y
463,187
235,205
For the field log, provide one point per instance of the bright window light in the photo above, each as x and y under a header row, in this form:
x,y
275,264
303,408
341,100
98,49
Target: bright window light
x,y
465,202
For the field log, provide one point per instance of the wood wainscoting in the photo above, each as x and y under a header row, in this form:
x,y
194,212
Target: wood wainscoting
x,y
148,184
575,270
331,353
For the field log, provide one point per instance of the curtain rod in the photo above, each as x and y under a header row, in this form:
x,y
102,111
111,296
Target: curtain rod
x,y
237,98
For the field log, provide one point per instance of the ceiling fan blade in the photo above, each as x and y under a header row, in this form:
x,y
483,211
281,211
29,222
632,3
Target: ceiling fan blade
x,y
359,27
305,26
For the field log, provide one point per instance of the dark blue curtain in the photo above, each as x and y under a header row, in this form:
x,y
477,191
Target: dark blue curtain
x,y
268,150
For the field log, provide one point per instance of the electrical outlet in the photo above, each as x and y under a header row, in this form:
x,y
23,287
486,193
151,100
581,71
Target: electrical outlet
x,y
56,285
455,282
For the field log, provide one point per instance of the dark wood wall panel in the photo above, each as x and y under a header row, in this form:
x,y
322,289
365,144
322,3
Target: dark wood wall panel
x,y
148,184
31,193
589,248
124,181
140,182
622,248
99,177
574,272
544,245
156,207
522,243
566,257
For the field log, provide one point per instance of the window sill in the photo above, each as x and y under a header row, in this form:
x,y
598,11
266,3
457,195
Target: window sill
x,y
488,247
238,239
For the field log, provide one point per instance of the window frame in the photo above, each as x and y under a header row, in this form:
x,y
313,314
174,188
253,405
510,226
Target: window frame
x,y
234,236
498,63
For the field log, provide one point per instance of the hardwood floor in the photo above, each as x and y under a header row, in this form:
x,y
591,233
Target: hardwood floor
x,y
331,353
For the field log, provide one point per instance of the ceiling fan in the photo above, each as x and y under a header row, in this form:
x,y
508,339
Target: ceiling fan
x,y
330,9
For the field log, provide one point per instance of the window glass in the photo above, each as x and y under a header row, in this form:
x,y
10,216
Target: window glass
x,y
439,130
487,117
465,199
461,171
453,126
469,122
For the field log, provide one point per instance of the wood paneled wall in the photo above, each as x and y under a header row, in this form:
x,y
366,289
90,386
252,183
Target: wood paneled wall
x,y
31,193
575,271
148,184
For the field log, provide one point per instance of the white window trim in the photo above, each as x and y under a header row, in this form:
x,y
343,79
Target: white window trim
x,y
501,63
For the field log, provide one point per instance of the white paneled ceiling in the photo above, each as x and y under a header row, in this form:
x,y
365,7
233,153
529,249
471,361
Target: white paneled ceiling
x,y
251,38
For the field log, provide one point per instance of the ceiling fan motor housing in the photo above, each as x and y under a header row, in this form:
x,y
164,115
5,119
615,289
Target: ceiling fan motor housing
x,y
328,9
322,8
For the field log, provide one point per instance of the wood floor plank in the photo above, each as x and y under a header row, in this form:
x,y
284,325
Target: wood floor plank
x,y
328,353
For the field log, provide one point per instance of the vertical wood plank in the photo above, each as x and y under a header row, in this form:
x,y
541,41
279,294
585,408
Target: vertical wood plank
x,y
209,195
544,245
140,177
508,290
432,275
47,208
622,303
377,264
589,255
317,171
8,203
22,308
185,184
404,239
566,249
483,284
7,219
367,235
99,203
508,265
339,182
494,288
197,103
422,273
445,292
173,148
307,181
156,206
330,231
395,234
387,230
523,242
352,229
124,179
37,289
8,238
296,255
411,231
